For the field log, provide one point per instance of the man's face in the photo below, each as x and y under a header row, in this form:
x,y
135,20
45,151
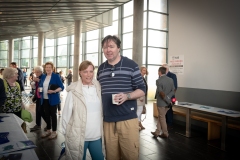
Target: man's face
x,y
111,51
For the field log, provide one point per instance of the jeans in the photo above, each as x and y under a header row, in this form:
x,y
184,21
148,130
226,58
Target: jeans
x,y
95,149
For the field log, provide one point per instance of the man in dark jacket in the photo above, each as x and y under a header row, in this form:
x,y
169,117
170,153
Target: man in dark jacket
x,y
20,75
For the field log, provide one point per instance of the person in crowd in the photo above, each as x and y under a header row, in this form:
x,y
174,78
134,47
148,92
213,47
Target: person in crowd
x,y
13,102
62,79
140,104
20,79
169,115
143,73
69,77
25,75
121,76
1,71
49,87
39,110
165,90
82,116
2,94
31,77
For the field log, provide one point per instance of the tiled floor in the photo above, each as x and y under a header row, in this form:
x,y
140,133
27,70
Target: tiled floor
x,y
174,147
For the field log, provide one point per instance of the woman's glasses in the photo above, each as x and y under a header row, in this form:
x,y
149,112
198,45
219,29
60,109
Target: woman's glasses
x,y
112,74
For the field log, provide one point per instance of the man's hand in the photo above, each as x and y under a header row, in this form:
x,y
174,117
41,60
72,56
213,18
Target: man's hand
x,y
162,94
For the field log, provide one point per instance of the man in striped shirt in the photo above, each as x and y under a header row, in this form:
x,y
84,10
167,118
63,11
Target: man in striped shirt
x,y
121,76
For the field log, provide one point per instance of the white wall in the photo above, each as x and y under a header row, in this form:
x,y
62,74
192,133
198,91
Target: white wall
x,y
207,33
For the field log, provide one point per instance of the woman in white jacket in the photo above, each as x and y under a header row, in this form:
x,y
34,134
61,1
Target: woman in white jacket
x,y
82,117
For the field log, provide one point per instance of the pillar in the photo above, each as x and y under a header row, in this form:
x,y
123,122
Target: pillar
x,y
10,51
40,48
138,31
76,58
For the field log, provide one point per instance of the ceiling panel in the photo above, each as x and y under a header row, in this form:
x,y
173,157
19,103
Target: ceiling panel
x,y
19,18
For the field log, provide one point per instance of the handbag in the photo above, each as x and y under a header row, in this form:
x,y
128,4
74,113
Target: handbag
x,y
26,115
144,110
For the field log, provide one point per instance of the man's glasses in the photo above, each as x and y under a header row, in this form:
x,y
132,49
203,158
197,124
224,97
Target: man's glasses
x,y
112,74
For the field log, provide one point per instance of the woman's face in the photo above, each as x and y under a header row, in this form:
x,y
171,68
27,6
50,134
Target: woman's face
x,y
48,69
143,71
14,77
38,73
87,75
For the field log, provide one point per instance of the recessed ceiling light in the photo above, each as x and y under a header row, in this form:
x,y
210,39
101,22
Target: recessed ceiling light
x,y
54,11
0,12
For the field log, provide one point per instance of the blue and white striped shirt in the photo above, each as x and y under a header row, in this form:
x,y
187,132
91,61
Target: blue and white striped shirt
x,y
126,79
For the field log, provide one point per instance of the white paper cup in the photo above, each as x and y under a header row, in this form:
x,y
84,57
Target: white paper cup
x,y
40,89
114,102
176,103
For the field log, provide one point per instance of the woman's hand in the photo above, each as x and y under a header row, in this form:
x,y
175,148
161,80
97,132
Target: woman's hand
x,y
51,91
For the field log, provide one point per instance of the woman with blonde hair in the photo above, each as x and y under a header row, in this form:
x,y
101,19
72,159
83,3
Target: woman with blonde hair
x,y
82,116
49,87
140,101
13,102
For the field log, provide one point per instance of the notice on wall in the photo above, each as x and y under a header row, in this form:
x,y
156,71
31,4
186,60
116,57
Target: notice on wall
x,y
176,64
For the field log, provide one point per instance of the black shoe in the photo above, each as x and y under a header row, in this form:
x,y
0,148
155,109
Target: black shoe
x,y
35,128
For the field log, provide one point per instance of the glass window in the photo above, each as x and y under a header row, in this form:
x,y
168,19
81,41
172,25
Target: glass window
x,y
34,62
35,52
62,50
49,59
72,49
145,20
157,21
62,61
26,37
25,44
128,24
49,42
127,53
152,77
156,56
15,54
35,42
3,54
92,34
115,14
16,45
62,40
111,30
128,9
127,40
25,53
72,39
49,51
71,61
93,58
4,45
24,62
92,46
145,5
3,63
156,38
158,5
144,37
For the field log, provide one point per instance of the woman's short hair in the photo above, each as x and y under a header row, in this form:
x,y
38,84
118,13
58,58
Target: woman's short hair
x,y
84,65
9,72
143,68
49,63
38,68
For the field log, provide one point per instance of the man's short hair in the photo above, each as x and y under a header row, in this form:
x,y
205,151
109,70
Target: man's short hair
x,y
13,63
113,38
162,70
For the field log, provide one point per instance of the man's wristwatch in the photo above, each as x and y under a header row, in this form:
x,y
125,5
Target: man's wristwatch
x,y
128,96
